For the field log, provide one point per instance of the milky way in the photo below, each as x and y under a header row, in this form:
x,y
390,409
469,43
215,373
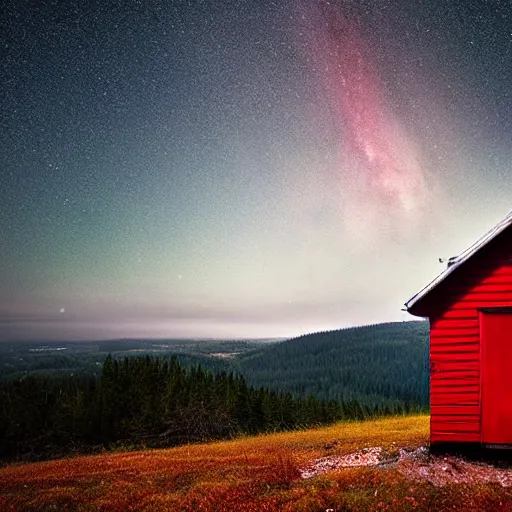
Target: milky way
x,y
379,166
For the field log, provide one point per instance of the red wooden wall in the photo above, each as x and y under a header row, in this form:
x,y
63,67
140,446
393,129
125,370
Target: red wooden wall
x,y
485,280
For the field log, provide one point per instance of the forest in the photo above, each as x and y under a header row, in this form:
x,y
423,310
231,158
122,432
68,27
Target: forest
x,y
147,402
87,402
375,364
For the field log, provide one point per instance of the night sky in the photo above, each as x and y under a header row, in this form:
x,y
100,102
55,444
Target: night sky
x,y
243,168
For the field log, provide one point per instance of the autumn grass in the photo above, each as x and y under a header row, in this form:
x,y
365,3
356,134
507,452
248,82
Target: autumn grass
x,y
259,473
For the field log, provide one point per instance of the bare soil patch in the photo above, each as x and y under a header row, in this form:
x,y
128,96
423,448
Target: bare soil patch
x,y
417,464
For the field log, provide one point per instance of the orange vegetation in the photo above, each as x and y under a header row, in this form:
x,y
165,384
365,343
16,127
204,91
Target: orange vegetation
x,y
248,474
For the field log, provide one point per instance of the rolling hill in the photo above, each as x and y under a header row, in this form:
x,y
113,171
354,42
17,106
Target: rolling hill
x,y
375,364
382,364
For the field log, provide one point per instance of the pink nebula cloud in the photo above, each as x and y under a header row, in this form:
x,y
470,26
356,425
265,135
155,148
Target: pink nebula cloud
x,y
381,176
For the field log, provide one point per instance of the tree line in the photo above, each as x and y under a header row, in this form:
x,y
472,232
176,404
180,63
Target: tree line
x,y
150,402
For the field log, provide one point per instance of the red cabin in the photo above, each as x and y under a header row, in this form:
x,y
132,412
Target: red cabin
x,y
469,306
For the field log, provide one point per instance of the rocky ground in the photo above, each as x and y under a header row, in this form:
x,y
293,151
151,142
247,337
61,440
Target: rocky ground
x,y
416,464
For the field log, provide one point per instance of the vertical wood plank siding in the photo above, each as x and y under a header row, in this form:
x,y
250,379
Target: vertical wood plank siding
x,y
483,281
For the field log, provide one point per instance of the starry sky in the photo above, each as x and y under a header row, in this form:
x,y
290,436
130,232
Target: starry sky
x,y
243,168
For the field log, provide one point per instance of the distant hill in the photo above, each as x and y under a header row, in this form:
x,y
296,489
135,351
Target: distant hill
x,y
21,358
375,364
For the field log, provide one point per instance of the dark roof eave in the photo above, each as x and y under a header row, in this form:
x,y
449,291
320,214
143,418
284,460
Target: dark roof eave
x,y
413,305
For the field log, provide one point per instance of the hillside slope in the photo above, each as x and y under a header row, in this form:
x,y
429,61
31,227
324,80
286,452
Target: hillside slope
x,y
263,473
376,364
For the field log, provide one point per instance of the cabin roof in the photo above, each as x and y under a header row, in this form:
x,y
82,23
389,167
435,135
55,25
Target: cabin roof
x,y
457,261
